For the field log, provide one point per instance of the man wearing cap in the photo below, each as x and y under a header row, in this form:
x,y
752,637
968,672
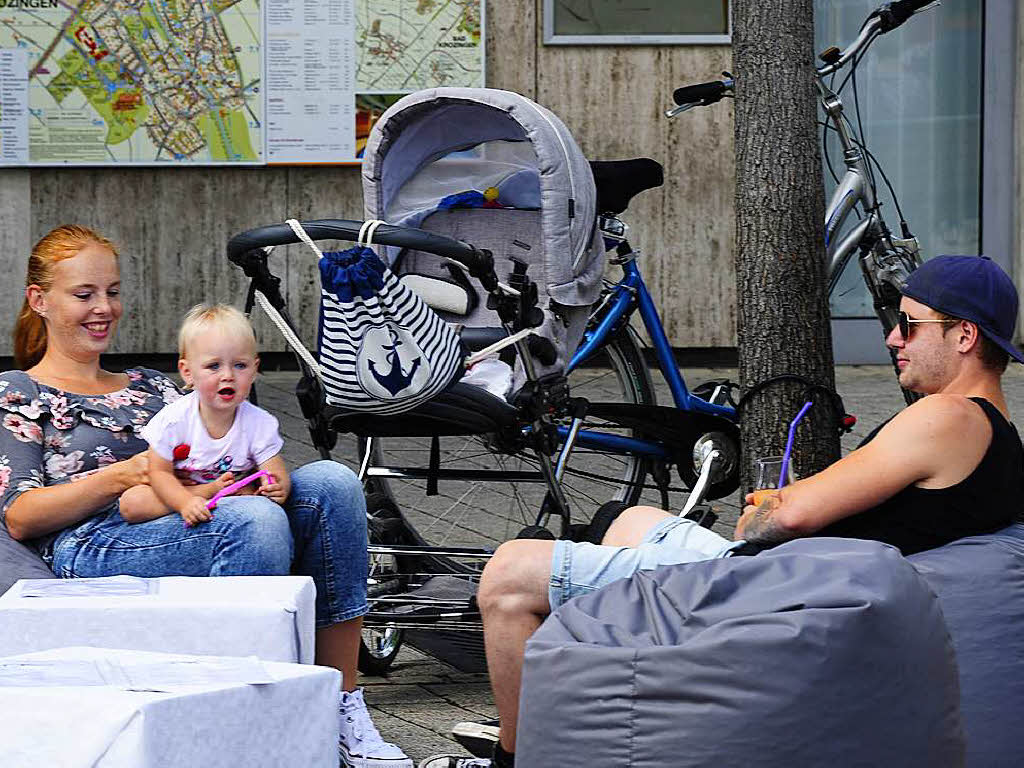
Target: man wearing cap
x,y
950,465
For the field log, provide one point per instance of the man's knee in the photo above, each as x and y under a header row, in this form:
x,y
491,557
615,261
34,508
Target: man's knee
x,y
630,527
515,578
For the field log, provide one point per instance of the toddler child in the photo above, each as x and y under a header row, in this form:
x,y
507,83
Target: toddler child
x,y
202,442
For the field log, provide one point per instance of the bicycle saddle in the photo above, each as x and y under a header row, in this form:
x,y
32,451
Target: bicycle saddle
x,y
619,181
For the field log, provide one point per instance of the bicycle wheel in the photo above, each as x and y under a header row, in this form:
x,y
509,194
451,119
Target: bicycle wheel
x,y
484,514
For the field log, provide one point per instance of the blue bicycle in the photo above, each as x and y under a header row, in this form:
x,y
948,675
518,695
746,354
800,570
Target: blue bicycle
x,y
614,441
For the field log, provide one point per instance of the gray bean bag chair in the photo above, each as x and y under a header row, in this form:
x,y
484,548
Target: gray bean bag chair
x,y
980,585
18,562
821,652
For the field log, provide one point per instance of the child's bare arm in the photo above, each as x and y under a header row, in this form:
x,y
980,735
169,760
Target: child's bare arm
x,y
190,505
279,489
141,503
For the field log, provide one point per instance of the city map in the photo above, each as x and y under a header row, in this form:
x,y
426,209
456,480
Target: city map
x,y
149,82
406,45
125,81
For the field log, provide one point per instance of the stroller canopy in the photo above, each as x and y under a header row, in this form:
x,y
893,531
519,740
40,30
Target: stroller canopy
x,y
523,152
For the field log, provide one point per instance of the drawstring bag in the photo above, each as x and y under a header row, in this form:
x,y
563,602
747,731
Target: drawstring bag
x,y
382,349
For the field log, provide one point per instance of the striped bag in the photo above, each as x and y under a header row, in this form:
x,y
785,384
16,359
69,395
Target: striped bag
x,y
382,349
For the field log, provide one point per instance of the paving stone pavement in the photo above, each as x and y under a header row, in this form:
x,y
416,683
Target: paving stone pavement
x,y
421,698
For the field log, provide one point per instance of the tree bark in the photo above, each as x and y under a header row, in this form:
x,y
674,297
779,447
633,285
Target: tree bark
x,y
783,323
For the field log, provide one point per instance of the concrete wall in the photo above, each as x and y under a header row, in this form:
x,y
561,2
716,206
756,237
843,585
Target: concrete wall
x,y
172,224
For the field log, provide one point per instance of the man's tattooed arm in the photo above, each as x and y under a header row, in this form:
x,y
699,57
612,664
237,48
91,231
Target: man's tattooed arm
x,y
761,527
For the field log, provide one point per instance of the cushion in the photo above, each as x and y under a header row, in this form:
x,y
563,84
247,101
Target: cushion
x,y
980,585
18,561
821,651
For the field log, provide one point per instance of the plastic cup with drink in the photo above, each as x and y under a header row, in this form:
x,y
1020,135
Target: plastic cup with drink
x,y
773,472
767,472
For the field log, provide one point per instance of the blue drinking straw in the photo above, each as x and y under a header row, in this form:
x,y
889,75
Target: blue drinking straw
x,y
789,442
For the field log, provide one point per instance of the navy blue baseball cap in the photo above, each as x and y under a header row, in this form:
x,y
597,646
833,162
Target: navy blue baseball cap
x,y
971,288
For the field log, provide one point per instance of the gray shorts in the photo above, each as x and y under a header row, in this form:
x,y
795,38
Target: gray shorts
x,y
578,568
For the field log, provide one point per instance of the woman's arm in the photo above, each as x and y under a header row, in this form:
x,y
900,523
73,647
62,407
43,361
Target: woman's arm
x,y
278,490
39,511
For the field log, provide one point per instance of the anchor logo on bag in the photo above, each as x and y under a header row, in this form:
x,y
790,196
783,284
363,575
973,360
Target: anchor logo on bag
x,y
390,364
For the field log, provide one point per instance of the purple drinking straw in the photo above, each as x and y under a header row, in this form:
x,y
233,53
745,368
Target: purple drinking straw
x,y
789,442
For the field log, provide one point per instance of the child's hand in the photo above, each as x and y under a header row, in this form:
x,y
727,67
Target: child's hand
x,y
221,483
195,512
272,489
247,490
208,490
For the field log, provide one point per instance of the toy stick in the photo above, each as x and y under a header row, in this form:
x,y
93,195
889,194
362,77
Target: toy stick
x,y
236,485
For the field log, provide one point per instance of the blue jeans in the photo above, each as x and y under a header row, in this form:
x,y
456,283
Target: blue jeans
x,y
320,532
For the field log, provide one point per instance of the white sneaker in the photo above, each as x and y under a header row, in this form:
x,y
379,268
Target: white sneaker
x,y
359,743
477,738
454,761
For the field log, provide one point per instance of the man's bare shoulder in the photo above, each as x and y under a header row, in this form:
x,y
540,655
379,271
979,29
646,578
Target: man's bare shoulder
x,y
943,407
940,420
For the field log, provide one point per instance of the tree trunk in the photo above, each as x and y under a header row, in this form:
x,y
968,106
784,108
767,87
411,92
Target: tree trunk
x,y
780,250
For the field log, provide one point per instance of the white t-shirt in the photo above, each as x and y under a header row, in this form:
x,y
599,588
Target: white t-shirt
x,y
252,439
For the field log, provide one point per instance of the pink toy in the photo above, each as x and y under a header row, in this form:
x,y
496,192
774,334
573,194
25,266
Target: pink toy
x,y
236,485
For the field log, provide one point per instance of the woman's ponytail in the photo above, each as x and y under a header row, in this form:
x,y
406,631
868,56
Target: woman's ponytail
x,y
29,338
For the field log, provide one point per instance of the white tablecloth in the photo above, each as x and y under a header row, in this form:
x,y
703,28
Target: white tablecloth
x,y
271,617
291,721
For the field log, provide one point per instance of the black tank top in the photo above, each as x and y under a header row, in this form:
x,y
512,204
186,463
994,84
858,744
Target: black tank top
x,y
916,519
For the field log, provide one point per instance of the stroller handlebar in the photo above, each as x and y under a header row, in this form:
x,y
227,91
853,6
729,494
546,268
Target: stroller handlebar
x,y
344,229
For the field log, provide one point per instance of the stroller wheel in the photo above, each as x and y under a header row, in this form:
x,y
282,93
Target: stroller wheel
x,y
378,650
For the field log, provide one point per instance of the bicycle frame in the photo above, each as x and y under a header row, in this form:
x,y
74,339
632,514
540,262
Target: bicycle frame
x,y
870,234
628,295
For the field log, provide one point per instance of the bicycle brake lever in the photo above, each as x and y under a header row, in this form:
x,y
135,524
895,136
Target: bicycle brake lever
x,y
670,113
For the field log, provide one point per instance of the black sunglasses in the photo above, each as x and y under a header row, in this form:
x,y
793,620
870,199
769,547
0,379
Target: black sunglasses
x,y
905,320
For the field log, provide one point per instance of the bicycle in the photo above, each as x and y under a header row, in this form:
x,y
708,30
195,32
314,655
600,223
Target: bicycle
x,y
624,436
578,433
885,260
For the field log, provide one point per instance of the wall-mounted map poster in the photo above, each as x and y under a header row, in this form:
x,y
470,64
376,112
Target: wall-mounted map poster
x,y
152,82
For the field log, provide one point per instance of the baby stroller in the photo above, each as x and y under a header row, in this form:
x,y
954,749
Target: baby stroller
x,y
491,212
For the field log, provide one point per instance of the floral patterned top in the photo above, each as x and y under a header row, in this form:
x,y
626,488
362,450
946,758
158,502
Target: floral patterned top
x,y
50,436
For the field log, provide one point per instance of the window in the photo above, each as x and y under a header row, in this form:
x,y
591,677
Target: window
x,y
920,101
635,22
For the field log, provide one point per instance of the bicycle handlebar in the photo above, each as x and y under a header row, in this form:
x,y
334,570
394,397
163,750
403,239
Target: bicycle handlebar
x,y
892,15
704,93
883,19
343,229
